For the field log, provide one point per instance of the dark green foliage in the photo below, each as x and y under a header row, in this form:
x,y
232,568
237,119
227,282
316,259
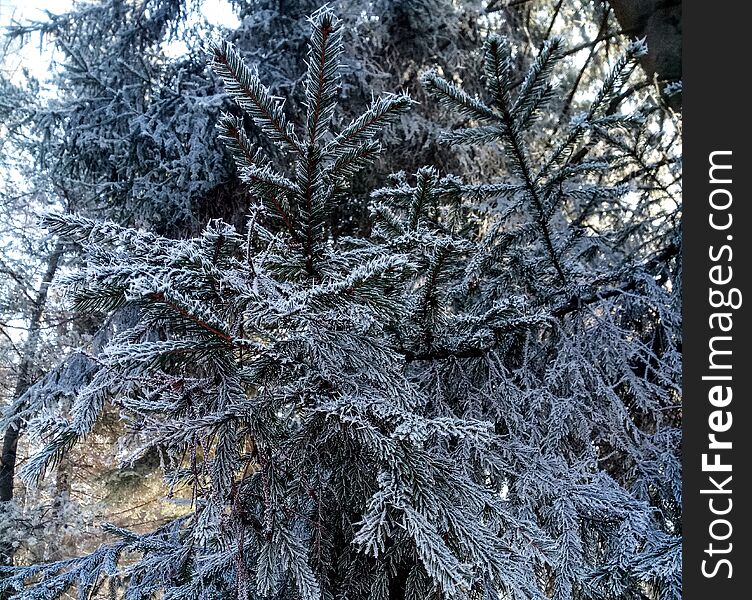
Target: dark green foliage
x,y
479,398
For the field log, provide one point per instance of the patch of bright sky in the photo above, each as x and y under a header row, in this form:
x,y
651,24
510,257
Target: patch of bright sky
x,y
217,13
34,57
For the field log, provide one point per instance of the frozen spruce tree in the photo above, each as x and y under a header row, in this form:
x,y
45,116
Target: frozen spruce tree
x,y
478,398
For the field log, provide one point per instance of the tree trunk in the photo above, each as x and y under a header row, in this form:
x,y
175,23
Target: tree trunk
x,y
659,21
24,381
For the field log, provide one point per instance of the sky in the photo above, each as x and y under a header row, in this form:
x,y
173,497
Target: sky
x,y
31,57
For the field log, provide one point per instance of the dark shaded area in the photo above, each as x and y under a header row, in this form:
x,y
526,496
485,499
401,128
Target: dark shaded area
x,y
660,23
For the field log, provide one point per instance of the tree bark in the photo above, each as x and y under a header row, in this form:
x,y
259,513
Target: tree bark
x,y
659,22
23,382
25,375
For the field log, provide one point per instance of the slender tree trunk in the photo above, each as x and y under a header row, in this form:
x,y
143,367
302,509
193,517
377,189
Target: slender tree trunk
x,y
23,382
659,21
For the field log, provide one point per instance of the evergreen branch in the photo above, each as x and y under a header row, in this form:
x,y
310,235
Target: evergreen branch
x,y
387,220
103,299
323,73
492,190
439,561
89,403
267,183
353,160
444,353
536,83
429,292
427,178
295,557
563,152
232,133
497,63
160,297
49,456
84,230
280,207
515,144
252,96
455,98
529,113
310,182
382,111
364,285
616,79
497,67
576,303
473,135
